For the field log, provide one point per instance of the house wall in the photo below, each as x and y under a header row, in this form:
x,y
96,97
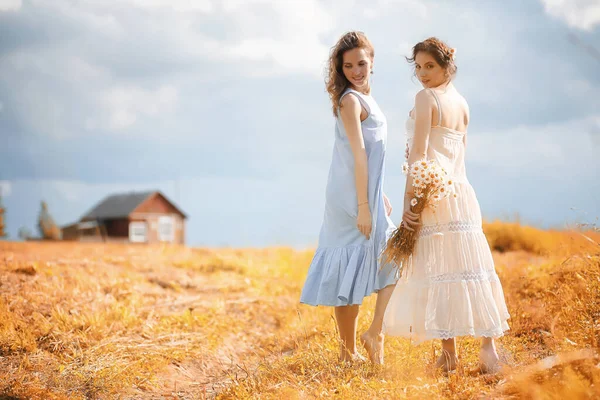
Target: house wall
x,y
117,228
151,210
152,221
70,232
98,239
156,204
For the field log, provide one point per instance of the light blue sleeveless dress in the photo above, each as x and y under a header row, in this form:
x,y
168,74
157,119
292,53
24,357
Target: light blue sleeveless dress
x,y
345,267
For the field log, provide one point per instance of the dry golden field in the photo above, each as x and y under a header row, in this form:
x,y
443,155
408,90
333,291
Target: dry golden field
x,y
94,321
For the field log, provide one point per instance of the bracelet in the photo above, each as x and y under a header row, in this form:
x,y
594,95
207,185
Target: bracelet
x,y
364,202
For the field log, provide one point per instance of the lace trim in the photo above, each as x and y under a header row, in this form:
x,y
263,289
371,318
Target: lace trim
x,y
454,226
449,334
456,277
465,276
408,331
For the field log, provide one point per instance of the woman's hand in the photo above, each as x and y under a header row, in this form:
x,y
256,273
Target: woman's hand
x,y
410,220
363,221
388,205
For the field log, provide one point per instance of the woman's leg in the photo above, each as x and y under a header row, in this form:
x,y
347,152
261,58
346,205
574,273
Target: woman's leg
x,y
488,356
372,339
347,320
448,360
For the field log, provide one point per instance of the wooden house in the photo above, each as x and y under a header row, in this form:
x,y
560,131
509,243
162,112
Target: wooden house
x,y
143,217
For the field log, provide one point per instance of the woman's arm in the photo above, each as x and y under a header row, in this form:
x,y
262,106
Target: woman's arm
x,y
350,115
467,120
388,205
424,106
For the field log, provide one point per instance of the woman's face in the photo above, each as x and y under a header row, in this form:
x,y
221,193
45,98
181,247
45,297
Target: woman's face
x,y
429,72
357,65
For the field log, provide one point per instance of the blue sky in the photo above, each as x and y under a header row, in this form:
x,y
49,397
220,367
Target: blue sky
x,y
221,105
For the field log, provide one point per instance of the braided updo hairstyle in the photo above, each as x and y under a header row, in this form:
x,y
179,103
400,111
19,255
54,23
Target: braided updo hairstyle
x,y
443,54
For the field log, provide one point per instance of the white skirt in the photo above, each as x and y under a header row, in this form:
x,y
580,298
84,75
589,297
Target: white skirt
x,y
450,287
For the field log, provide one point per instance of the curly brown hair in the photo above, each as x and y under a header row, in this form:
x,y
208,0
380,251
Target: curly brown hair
x,y
335,80
438,50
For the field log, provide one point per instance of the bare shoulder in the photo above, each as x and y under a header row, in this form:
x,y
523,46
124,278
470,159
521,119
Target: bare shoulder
x,y
424,99
350,99
424,94
350,104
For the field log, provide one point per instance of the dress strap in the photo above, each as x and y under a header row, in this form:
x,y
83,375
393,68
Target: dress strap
x,y
361,99
439,107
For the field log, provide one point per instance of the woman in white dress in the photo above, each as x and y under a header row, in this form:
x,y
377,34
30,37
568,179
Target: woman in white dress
x,y
451,287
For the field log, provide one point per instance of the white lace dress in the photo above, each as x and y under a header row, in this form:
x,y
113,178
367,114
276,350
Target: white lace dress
x,y
451,288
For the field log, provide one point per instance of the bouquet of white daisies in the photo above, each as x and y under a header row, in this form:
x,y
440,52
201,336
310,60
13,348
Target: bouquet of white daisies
x,y
431,184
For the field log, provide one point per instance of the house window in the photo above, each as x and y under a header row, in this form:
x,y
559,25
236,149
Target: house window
x,y
166,229
138,232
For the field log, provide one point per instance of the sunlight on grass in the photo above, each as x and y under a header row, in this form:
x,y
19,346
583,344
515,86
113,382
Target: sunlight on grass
x,y
81,321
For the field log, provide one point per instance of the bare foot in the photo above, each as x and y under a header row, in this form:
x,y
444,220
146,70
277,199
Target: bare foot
x,y
359,358
374,346
447,362
349,358
489,362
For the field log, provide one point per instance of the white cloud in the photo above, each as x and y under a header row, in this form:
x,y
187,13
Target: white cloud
x,y
555,150
48,112
381,7
77,70
41,111
82,193
54,64
126,103
89,84
283,56
204,6
60,89
581,14
282,36
291,45
5,188
10,5
97,20
578,87
51,84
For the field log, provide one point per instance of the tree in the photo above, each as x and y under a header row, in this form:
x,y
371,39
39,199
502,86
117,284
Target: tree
x,y
3,233
46,225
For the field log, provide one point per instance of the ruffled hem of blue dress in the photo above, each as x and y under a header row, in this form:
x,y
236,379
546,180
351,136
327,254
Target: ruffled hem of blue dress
x,y
340,276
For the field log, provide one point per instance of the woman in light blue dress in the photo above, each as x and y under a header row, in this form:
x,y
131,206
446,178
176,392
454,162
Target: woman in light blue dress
x,y
356,225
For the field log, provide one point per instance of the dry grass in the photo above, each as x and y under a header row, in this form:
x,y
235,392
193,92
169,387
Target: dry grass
x,y
85,321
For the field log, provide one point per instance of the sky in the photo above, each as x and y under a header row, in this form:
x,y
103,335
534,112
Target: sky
x,y
221,105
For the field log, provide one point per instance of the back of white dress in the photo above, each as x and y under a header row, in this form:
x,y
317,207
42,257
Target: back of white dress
x,y
451,288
